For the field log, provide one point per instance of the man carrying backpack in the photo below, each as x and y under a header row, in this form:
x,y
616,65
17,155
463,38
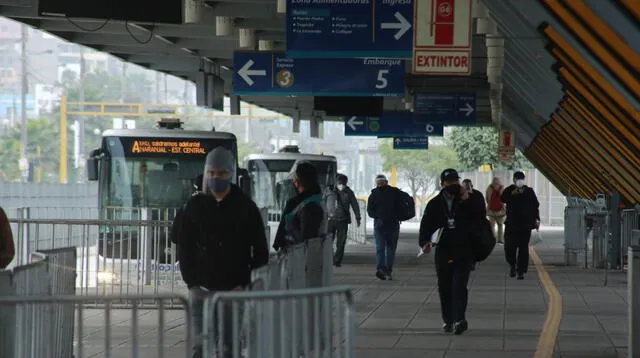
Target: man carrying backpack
x,y
387,206
495,208
338,200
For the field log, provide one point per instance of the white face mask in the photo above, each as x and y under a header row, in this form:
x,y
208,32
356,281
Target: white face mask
x,y
520,183
340,187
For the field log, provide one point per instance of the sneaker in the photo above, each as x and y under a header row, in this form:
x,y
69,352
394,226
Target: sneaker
x,y
512,273
520,276
460,327
381,275
389,277
447,327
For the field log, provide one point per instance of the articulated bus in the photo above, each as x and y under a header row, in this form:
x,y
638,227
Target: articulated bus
x,y
146,175
270,183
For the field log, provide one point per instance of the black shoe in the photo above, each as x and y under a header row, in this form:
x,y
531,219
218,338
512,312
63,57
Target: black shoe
x,y
512,273
389,277
520,276
337,264
447,327
381,275
460,327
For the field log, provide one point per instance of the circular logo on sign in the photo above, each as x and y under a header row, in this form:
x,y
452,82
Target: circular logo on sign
x,y
445,9
429,128
374,126
285,78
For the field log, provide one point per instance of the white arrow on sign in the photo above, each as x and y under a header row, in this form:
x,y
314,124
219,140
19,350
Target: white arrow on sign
x,y
246,72
398,141
402,25
353,122
468,108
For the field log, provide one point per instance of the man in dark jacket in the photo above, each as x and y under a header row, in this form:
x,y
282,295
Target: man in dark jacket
x,y
7,246
522,217
304,216
454,216
340,218
382,206
221,239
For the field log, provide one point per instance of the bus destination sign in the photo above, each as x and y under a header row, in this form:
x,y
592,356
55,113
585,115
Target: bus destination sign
x,y
168,147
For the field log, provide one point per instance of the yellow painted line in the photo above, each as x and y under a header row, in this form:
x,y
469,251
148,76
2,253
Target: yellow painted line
x,y
548,336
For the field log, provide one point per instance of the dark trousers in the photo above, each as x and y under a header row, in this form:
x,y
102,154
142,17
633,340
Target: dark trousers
x,y
196,301
386,236
516,247
453,278
338,231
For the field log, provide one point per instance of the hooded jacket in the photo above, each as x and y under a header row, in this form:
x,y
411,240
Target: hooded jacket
x,y
220,242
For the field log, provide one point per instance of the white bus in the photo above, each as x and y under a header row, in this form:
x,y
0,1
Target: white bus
x,y
270,183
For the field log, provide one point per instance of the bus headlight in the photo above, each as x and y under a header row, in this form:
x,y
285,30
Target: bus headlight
x,y
106,277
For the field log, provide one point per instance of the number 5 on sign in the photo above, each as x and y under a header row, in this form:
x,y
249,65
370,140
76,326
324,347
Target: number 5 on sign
x,y
382,80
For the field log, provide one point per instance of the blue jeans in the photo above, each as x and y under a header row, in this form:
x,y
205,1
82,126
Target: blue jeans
x,y
386,235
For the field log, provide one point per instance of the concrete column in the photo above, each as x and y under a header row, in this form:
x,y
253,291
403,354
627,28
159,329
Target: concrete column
x,y
247,38
193,11
224,26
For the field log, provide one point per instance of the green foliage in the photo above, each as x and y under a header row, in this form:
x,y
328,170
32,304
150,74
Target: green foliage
x,y
42,150
476,146
420,168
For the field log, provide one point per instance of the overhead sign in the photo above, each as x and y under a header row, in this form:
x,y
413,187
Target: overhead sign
x,y
398,124
507,147
450,109
442,37
266,73
349,28
411,143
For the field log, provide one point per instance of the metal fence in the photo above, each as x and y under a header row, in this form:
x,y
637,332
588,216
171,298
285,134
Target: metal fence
x,y
106,332
314,322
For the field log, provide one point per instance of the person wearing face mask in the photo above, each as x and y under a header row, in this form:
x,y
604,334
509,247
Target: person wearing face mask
x,y
495,208
455,217
304,216
522,217
339,200
221,239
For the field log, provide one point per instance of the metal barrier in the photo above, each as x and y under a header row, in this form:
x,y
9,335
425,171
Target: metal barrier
x,y
630,221
113,257
314,322
633,294
107,332
601,240
575,235
307,264
355,233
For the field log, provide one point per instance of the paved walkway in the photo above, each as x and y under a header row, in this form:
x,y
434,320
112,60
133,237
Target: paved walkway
x,y
401,318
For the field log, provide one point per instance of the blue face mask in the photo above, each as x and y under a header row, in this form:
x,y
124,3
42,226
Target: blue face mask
x,y
218,185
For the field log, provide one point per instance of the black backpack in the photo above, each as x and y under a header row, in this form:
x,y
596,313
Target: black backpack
x,y
407,209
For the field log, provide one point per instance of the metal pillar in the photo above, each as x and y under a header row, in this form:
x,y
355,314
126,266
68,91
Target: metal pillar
x,y
24,140
633,292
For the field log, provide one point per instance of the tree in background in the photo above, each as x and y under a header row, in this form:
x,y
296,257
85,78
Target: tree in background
x,y
476,146
420,168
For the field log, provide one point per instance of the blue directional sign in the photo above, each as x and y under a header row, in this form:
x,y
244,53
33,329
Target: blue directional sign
x,y
266,73
391,124
411,143
450,109
349,29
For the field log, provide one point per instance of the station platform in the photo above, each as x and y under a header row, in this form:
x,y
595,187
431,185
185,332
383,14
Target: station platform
x,y
507,317
401,318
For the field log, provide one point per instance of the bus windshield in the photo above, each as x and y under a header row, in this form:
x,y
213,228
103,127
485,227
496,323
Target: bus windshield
x,y
271,187
154,172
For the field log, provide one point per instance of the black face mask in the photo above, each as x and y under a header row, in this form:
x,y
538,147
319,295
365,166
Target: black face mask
x,y
453,189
